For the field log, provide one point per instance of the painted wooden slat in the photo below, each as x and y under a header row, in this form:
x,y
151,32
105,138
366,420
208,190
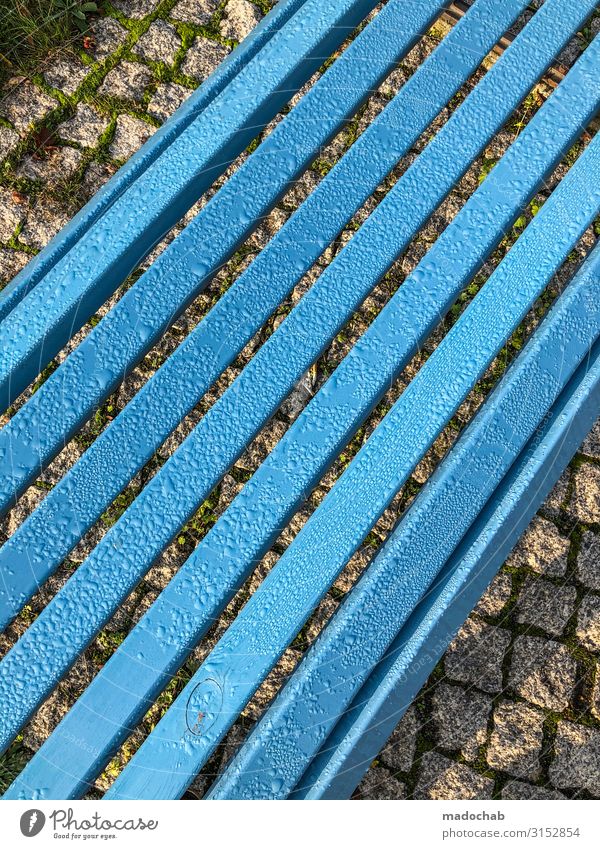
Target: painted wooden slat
x,y
293,730
382,701
64,240
132,678
187,735
108,575
118,453
37,328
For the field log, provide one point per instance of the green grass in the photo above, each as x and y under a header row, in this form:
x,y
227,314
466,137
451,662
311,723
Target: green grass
x,y
30,30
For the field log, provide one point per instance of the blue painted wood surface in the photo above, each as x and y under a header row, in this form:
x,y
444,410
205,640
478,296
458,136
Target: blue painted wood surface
x,y
277,754
341,672
92,594
382,701
38,430
37,328
247,528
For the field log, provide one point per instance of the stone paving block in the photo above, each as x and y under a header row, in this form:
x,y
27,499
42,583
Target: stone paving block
x,y
461,719
588,561
11,262
585,504
85,127
136,9
97,174
475,656
595,700
239,19
521,790
440,778
576,763
24,104
379,784
541,548
108,35
167,98
130,135
127,81
43,222
546,605
516,741
543,672
591,444
194,11
66,74
559,494
399,751
9,139
203,57
159,44
11,214
588,623
59,164
496,596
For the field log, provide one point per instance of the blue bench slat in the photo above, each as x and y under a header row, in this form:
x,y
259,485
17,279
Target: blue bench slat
x,y
38,327
93,592
127,684
380,704
293,730
42,541
39,266
187,735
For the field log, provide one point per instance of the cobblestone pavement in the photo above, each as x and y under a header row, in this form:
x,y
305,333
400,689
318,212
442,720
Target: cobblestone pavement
x,y
513,709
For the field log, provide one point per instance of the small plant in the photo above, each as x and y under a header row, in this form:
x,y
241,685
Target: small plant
x,y
77,11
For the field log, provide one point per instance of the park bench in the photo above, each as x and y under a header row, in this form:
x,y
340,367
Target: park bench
x,y
334,714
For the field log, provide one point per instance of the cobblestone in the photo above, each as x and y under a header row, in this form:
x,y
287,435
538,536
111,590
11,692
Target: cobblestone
x,y
159,44
576,764
476,655
25,105
516,741
9,139
585,504
379,784
441,778
58,165
11,215
591,445
44,221
546,605
85,127
167,98
194,11
130,135
588,623
11,262
108,35
461,719
496,596
127,81
136,9
67,74
202,58
521,790
541,548
239,19
399,751
543,672
588,561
